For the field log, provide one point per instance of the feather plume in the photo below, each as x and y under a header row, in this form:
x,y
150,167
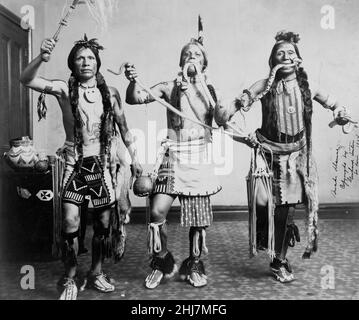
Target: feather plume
x,y
200,30
287,36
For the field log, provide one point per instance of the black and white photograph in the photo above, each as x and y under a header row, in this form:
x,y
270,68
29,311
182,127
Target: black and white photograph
x,y
179,155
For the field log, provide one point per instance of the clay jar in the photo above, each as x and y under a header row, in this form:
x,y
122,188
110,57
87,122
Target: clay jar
x,y
22,154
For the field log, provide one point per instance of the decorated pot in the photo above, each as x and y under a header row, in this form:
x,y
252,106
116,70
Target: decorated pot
x,y
22,154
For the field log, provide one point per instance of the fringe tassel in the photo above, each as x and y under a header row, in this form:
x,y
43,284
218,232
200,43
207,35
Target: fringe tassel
x,y
57,166
119,243
271,211
312,220
204,245
195,245
41,106
256,176
154,242
196,242
196,211
252,209
106,247
119,235
312,203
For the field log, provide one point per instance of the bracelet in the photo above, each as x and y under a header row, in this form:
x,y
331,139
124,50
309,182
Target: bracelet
x,y
248,93
251,100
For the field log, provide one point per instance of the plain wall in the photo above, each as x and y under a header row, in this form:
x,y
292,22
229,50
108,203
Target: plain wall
x,y
238,35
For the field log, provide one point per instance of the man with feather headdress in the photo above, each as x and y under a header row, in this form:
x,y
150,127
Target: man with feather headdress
x,y
185,171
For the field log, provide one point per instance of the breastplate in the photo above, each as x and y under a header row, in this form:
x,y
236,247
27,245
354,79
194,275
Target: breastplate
x,y
90,112
289,108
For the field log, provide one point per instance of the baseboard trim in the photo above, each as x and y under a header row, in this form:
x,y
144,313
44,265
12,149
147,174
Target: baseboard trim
x,y
240,213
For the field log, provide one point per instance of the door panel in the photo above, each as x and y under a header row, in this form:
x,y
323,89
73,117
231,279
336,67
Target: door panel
x,y
14,99
15,111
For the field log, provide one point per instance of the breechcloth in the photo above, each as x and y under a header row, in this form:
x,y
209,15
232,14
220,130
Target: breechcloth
x,y
186,171
92,179
287,182
287,179
293,185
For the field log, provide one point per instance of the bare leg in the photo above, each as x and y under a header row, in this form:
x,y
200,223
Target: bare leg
x,y
100,250
69,251
160,206
70,227
101,232
162,263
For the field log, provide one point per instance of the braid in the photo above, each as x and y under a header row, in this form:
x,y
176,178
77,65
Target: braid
x,y
176,101
269,111
308,108
107,127
74,101
212,92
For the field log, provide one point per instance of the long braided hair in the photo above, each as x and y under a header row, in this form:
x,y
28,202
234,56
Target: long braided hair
x,y
268,101
106,126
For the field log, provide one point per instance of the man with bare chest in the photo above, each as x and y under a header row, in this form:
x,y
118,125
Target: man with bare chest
x,y
91,110
186,170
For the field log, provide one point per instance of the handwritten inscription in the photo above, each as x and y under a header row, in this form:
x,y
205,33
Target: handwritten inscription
x,y
345,165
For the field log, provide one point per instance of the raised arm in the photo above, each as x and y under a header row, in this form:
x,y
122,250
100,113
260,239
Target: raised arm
x,y
127,137
330,102
135,94
29,77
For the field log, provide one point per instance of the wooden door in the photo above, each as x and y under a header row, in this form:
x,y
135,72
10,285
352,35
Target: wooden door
x,y
15,111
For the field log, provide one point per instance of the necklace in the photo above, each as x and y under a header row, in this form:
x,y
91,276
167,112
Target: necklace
x,y
91,94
